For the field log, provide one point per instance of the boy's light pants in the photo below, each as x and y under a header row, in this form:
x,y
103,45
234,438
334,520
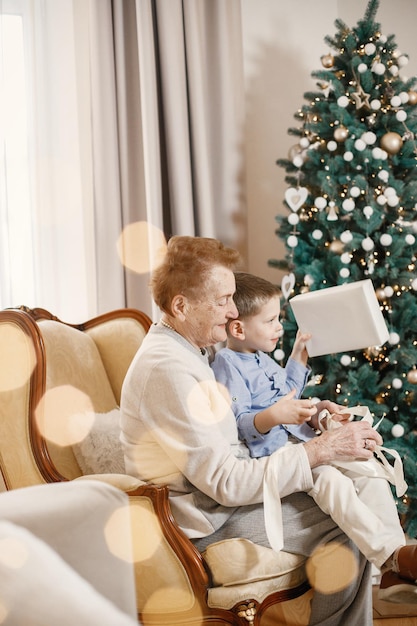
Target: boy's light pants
x,y
362,507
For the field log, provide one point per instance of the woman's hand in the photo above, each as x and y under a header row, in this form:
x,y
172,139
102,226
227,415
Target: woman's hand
x,y
356,441
334,409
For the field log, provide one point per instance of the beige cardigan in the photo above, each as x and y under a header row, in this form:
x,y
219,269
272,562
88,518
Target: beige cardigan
x,y
178,429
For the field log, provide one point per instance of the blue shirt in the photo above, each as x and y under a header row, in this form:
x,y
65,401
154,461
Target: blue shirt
x,y
255,382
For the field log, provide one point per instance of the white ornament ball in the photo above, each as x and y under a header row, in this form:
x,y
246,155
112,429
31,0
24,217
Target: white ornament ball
x,y
414,284
308,280
382,38
397,430
370,49
346,236
375,105
362,67
355,191
345,360
304,142
279,355
396,101
292,241
410,239
346,258
317,234
348,205
377,153
369,138
394,338
383,175
378,68
390,191
401,116
360,145
367,244
393,200
397,383
320,203
293,219
385,240
394,70
344,272
389,291
332,146
402,61
343,101
298,160
404,97
381,200
348,156
368,211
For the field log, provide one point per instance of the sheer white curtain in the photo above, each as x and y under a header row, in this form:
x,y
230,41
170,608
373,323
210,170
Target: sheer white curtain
x,y
52,251
134,124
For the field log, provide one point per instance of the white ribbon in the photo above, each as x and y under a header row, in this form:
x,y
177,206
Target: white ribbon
x,y
371,467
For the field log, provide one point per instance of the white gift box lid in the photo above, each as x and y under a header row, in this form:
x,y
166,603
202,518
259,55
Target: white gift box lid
x,y
342,318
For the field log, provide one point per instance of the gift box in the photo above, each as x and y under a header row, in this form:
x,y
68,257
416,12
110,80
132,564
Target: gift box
x,y
340,319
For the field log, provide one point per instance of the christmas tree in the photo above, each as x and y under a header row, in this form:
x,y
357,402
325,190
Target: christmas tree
x,y
352,202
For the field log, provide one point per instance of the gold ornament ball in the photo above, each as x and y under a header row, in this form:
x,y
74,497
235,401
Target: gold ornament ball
x,y
341,133
391,143
412,97
337,246
379,398
327,60
294,151
380,294
412,376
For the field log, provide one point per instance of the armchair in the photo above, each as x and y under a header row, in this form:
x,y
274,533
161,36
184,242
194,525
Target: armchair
x,y
51,371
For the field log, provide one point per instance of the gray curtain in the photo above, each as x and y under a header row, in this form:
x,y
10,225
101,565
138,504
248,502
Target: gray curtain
x,y
169,103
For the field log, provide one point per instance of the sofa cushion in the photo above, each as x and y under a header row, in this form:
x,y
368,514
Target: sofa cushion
x,y
100,450
240,561
242,569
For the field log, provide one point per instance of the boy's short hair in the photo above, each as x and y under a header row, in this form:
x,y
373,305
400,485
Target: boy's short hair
x,y
252,292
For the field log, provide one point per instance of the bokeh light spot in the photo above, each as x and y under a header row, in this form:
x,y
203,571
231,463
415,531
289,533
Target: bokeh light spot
x,y
178,597
17,358
3,613
139,516
141,247
331,568
209,402
64,415
13,553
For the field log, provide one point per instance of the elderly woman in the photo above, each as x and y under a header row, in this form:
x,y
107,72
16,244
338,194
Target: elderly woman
x,y
178,430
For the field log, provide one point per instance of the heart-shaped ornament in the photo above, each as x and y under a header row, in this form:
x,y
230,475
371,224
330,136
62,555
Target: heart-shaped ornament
x,y
287,285
295,198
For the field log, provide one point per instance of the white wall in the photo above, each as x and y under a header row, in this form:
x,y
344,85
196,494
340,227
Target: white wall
x,y
283,41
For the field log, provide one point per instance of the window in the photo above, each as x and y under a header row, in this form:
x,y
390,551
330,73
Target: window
x,y
17,265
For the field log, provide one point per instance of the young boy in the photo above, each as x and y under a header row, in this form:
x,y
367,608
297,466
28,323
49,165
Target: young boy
x,y
270,414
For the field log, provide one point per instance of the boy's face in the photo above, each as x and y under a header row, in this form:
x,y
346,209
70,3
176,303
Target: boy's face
x,y
263,330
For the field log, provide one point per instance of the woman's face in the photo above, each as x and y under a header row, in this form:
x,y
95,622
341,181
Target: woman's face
x,y
206,317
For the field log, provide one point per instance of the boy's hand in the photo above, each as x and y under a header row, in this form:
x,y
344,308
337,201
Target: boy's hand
x,y
287,410
299,351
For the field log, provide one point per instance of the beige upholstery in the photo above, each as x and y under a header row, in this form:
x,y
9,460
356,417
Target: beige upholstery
x,y
51,371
